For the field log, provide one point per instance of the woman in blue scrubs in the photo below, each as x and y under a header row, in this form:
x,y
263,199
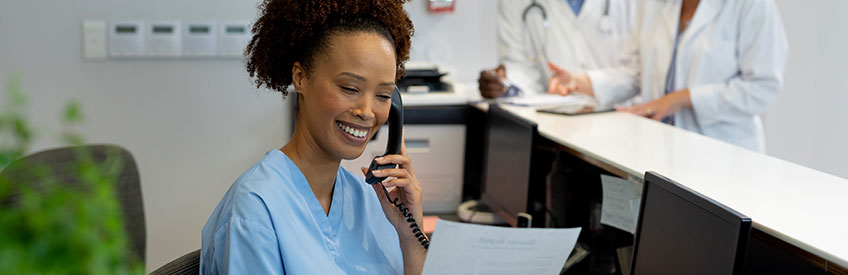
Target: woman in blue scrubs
x,y
297,211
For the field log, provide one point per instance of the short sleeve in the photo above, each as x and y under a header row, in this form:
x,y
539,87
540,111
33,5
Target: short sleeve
x,y
245,247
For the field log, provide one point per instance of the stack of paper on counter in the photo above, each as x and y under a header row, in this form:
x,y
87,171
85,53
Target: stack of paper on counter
x,y
462,248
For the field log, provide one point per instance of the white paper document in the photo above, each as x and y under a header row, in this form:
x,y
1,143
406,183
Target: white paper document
x,y
620,206
462,248
537,100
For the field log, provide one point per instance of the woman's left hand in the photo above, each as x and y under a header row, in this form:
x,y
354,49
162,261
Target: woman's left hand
x,y
407,190
662,107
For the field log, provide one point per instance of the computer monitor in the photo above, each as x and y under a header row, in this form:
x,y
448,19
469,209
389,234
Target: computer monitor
x,y
683,232
507,163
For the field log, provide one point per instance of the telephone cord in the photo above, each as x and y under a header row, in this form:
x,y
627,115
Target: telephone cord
x,y
422,238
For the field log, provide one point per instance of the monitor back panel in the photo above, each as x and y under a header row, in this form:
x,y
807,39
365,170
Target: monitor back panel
x,y
507,168
683,232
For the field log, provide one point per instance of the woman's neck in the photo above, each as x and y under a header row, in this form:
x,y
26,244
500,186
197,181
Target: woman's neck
x,y
317,166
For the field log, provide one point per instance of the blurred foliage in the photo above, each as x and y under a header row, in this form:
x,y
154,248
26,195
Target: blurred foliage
x,y
51,227
15,132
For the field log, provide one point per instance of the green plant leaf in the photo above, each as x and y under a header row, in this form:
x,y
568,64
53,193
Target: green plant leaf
x,y
13,90
73,112
48,226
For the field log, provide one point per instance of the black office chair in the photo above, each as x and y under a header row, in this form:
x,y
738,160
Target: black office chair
x,y
128,190
187,264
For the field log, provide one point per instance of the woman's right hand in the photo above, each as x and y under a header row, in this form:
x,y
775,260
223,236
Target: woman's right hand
x,y
564,82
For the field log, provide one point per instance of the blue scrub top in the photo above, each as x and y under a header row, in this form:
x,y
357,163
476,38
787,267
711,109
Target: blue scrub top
x,y
270,222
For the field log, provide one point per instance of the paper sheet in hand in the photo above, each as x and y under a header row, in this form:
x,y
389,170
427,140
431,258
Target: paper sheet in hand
x,y
620,206
462,248
536,100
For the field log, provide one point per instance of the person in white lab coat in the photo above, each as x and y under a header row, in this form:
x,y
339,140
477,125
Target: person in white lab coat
x,y
581,34
708,66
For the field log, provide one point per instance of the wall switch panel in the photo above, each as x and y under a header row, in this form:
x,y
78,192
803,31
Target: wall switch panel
x,y
233,37
164,39
200,39
94,40
126,39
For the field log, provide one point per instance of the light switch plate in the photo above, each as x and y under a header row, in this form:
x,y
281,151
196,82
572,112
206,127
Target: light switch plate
x,y
94,40
233,37
126,39
164,39
200,39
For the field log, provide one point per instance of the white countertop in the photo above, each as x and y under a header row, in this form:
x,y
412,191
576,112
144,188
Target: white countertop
x,y
456,97
799,205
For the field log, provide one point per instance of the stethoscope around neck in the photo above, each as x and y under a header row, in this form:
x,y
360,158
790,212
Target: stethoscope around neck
x,y
541,56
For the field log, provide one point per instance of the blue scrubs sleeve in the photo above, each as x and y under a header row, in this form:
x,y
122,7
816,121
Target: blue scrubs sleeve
x,y
248,248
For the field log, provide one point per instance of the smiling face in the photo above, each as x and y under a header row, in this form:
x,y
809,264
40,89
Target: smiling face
x,y
346,96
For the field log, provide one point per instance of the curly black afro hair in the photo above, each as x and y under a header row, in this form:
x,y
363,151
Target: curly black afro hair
x,y
290,31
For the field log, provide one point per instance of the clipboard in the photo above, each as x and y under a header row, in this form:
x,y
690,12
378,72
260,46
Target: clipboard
x,y
573,110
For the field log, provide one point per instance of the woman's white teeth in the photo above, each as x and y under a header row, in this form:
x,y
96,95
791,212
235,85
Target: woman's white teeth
x,y
352,131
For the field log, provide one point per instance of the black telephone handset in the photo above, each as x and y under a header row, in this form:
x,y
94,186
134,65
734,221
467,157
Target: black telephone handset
x,y
393,148
395,138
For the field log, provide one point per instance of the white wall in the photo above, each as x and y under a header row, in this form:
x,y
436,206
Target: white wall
x,y
192,125
463,41
809,123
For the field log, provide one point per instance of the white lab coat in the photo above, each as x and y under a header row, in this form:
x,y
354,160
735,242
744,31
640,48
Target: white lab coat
x,y
574,41
731,57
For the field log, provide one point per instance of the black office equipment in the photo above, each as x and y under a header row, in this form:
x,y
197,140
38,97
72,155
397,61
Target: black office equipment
x,y
429,77
395,138
393,147
507,168
683,232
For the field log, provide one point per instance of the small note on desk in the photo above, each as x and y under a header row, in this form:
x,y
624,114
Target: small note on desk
x,y
463,248
620,206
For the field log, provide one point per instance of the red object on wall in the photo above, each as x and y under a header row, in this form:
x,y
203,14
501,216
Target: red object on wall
x,y
440,6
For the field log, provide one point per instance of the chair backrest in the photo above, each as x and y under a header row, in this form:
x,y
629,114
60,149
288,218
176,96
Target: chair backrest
x,y
128,190
187,264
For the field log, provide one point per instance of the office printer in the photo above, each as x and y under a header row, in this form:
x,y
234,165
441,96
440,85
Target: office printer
x,y
424,78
